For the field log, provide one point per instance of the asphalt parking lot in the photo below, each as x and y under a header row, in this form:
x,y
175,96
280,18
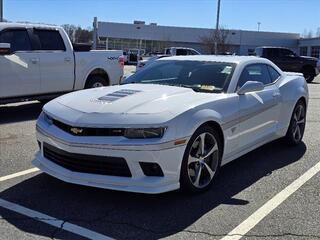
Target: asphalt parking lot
x,y
52,209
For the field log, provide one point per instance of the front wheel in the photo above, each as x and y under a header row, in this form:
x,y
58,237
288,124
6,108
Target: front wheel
x,y
297,124
201,161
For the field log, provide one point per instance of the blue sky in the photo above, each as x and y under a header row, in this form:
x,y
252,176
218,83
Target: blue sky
x,y
274,15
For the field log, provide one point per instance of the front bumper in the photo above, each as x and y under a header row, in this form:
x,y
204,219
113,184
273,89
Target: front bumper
x,y
168,158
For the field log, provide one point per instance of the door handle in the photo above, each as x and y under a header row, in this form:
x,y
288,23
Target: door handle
x,y
34,60
67,59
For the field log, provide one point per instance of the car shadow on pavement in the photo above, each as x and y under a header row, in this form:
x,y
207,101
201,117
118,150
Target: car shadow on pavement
x,y
122,215
19,113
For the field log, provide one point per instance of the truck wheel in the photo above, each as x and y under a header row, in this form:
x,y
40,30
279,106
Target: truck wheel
x,y
308,74
96,81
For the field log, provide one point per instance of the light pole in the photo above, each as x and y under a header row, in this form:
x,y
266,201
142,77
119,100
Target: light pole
x,y
140,41
217,29
1,10
95,30
259,23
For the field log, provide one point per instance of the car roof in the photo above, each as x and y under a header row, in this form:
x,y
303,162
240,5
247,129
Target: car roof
x,y
273,47
4,25
218,58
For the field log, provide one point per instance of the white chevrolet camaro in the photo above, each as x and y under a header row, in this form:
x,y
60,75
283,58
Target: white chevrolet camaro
x,y
172,125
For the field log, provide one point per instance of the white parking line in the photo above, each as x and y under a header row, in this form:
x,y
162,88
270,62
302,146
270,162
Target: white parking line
x,y
18,174
269,206
84,232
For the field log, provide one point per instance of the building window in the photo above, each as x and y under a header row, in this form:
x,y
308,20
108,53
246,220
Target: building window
x,y
315,51
303,51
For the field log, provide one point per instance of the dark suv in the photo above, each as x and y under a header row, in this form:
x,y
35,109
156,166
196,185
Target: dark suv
x,y
288,61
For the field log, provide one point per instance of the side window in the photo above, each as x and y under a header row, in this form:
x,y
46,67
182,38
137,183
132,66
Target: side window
x,y
181,52
273,74
271,52
286,53
254,72
168,51
50,40
192,52
18,38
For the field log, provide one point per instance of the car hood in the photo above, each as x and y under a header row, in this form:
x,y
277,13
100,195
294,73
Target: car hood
x,y
143,101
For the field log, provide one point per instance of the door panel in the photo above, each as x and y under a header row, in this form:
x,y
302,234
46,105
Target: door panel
x,y
19,74
259,113
56,63
56,71
19,71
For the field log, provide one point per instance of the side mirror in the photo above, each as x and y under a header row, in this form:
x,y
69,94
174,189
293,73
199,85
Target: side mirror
x,y
250,86
5,48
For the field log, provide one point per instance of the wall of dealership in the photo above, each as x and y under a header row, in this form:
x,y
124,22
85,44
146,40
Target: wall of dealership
x,y
310,47
153,37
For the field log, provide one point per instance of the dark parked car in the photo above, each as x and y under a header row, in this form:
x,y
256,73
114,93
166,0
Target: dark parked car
x,y
288,61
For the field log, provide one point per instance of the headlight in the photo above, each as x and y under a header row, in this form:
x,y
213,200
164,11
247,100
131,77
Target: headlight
x,y
47,118
144,132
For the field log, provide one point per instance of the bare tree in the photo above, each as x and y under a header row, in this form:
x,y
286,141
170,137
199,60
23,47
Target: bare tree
x,y
220,37
310,34
318,32
70,30
77,34
305,33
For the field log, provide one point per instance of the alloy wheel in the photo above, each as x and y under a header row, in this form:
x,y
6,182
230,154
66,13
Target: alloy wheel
x,y
203,160
298,122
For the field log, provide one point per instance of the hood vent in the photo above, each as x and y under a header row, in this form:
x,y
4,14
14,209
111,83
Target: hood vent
x,y
111,97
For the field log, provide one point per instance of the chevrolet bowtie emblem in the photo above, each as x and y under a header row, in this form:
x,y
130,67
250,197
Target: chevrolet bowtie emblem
x,y
76,130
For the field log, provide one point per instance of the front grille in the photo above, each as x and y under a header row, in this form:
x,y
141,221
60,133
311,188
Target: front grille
x,y
113,166
85,131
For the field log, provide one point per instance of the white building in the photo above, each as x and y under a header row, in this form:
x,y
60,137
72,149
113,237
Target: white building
x,y
153,37
310,47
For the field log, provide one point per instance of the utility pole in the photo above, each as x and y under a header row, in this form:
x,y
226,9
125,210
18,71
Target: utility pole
x,y
95,30
259,23
217,28
1,10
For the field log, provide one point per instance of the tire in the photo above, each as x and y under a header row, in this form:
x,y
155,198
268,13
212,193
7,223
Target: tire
x,y
297,124
96,81
308,74
194,163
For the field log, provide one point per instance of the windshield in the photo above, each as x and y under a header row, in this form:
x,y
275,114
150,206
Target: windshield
x,y
201,76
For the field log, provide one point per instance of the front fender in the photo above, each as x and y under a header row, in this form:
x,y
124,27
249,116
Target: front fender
x,y
188,122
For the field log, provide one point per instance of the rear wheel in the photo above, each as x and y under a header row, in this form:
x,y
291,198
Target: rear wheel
x,y
297,124
201,161
96,81
308,74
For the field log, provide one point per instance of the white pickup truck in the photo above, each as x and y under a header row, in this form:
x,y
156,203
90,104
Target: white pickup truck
x,y
39,62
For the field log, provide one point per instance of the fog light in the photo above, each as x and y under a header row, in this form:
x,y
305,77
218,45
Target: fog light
x,y
151,169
